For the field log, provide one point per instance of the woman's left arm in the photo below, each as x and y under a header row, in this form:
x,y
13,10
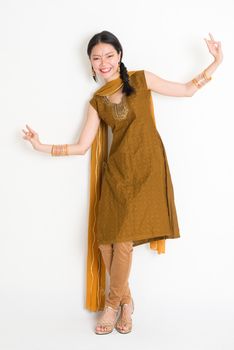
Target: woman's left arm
x,y
170,88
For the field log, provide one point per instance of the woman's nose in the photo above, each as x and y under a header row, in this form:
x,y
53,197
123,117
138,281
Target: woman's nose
x,y
103,61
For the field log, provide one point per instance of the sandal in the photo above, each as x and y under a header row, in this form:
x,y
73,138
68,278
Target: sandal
x,y
107,325
124,321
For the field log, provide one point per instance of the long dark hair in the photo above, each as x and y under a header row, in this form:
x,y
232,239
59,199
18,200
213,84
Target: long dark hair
x,y
109,38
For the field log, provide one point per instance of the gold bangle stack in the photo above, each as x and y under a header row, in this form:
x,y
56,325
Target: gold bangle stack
x,y
201,80
59,150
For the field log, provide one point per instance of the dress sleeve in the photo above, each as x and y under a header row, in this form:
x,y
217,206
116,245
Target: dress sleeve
x,y
93,102
140,80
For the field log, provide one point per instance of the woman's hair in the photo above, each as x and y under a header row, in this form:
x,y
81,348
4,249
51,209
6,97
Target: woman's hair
x,y
109,38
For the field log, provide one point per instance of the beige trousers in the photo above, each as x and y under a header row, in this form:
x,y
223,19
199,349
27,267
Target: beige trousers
x,y
117,258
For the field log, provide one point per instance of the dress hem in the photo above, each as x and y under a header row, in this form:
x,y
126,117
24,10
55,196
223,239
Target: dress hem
x,y
139,241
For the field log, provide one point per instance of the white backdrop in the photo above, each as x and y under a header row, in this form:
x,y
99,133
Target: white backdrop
x,y
184,298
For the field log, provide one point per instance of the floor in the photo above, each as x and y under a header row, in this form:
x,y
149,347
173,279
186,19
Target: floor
x,y
185,326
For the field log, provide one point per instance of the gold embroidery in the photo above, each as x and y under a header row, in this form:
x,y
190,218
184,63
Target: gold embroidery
x,y
120,110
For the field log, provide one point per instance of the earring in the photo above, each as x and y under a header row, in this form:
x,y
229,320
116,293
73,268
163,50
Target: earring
x,y
118,68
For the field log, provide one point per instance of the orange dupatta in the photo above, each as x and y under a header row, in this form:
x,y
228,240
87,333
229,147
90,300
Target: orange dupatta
x,y
96,271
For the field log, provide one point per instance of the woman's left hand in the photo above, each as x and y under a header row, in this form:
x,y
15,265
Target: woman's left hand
x,y
214,48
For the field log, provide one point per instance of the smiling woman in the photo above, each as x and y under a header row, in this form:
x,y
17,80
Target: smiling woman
x,y
131,192
104,61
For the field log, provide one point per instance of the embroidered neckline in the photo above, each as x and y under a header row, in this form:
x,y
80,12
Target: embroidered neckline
x,y
120,110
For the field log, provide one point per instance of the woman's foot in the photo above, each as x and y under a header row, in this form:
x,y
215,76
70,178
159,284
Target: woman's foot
x,y
124,322
106,322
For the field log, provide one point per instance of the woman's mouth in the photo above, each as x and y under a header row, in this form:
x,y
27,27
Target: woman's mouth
x,y
106,70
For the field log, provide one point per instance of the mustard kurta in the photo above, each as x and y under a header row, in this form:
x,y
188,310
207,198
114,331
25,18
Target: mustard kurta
x,y
137,199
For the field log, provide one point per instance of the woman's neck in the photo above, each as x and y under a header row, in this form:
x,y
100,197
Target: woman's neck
x,y
113,77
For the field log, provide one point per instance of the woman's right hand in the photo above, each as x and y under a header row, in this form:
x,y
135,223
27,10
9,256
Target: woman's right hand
x,y
32,137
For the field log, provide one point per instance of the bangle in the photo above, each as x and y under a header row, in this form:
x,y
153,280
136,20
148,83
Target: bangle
x,y
59,150
205,75
201,79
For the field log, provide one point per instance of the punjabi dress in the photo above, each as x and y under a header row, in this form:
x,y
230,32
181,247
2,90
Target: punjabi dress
x,y
133,203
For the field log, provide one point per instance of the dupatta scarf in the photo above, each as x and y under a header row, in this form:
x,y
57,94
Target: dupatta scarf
x,y
96,271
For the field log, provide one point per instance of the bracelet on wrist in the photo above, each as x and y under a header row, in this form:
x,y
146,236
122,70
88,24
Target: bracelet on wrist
x,y
201,79
59,150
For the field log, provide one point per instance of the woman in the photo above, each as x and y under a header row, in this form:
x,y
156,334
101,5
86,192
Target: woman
x,y
131,192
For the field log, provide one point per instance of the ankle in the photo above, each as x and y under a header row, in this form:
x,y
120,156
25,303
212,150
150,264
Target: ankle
x,y
115,309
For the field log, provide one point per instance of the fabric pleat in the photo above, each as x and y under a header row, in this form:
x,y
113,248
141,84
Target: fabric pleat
x,y
96,274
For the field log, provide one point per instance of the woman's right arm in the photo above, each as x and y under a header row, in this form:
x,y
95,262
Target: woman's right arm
x,y
80,148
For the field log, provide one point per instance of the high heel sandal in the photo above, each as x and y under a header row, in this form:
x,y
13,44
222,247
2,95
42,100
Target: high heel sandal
x,y
107,325
124,321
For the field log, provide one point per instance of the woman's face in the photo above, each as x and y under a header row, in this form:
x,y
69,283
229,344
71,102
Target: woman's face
x,y
104,59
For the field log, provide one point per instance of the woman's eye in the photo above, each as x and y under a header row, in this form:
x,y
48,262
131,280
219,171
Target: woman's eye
x,y
97,58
